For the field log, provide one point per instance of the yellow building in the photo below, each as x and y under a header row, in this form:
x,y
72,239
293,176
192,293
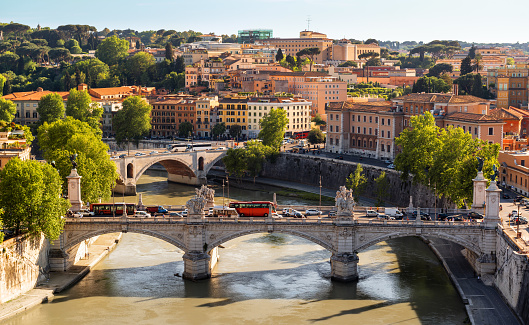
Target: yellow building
x,y
510,85
204,122
234,111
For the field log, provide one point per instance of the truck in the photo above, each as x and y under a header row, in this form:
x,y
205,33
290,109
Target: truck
x,y
393,212
157,209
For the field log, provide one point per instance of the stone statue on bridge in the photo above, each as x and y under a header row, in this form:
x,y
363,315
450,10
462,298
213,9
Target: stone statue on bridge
x,y
345,202
195,206
72,159
480,164
205,192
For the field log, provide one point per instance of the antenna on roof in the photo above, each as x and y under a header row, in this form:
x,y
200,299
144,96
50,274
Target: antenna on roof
x,y
308,22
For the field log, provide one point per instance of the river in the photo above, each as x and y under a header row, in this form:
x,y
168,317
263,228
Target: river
x,y
260,279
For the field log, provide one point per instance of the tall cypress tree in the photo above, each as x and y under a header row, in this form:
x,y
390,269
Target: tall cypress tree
x,y
169,51
279,55
466,66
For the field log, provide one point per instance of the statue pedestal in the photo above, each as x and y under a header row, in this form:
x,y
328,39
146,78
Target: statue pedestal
x,y
194,218
74,191
492,210
478,200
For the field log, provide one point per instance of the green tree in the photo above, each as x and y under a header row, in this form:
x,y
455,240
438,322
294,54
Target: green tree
x,y
185,129
371,41
477,66
256,154
8,109
357,182
218,130
382,186
472,84
133,121
273,128
431,85
472,52
137,68
291,61
466,66
112,50
30,195
235,131
50,108
438,69
318,120
443,159
80,107
64,138
279,55
169,52
309,52
316,136
235,162
2,83
510,61
368,56
59,54
348,64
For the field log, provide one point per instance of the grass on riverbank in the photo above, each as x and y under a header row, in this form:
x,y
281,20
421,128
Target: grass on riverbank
x,y
304,195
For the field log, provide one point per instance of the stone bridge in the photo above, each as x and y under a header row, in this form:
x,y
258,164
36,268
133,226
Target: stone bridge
x,y
199,237
182,167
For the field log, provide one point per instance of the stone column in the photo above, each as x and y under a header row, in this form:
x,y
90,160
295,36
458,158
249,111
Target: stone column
x,y
74,190
197,262
492,209
418,217
344,267
478,201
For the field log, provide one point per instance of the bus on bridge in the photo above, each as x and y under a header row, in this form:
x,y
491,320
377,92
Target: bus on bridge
x,y
112,209
254,208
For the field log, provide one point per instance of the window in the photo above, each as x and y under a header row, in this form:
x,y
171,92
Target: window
x,y
491,131
389,134
382,133
389,147
337,128
331,140
371,119
364,120
353,118
389,121
331,128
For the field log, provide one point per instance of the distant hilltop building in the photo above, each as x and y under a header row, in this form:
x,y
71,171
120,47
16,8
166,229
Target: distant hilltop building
x,y
250,36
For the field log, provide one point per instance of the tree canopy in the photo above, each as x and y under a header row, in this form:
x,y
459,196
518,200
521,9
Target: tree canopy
x,y
8,109
273,128
185,129
438,69
50,108
316,136
133,121
466,66
80,107
218,129
431,85
112,50
443,159
64,138
357,182
31,198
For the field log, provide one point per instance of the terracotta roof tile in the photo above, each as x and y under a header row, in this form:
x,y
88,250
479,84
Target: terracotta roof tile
x,y
361,107
471,117
440,98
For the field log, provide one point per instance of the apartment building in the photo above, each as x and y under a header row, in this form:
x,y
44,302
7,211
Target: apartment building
x,y
514,170
298,113
307,39
205,121
509,84
370,128
234,111
27,103
168,114
207,71
344,50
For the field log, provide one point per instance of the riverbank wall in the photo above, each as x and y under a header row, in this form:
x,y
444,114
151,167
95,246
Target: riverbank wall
x,y
23,264
307,170
41,288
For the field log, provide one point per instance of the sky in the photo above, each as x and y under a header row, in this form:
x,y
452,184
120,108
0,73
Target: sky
x,y
484,21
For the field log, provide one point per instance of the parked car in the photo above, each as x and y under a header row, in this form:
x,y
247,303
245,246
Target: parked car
x,y
506,196
157,209
442,216
86,213
424,216
153,152
184,213
175,214
454,218
122,155
371,213
339,157
473,215
312,212
391,166
514,213
332,213
522,220
139,154
384,216
142,214
387,161
518,198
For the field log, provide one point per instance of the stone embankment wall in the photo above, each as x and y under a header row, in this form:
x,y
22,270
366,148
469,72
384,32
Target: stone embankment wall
x,y
23,264
512,276
307,170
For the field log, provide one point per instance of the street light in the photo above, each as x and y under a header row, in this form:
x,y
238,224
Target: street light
x,y
320,192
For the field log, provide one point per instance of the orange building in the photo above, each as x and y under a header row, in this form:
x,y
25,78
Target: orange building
x,y
167,115
514,170
307,39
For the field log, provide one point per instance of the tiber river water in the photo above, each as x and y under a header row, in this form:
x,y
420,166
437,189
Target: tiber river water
x,y
260,279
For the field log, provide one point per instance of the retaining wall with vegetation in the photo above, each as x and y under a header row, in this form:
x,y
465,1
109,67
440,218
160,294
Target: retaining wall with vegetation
x,y
307,170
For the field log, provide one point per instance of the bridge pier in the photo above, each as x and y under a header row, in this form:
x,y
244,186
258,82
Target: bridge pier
x,y
344,267
197,265
127,189
183,179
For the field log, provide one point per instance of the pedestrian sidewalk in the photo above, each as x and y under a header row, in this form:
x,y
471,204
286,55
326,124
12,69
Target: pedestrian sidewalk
x,y
59,281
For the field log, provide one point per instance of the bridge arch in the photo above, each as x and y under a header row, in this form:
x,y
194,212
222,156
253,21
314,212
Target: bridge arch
x,y
130,170
458,240
214,161
219,241
78,239
171,164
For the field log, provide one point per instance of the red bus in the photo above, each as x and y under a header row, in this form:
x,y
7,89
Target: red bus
x,y
300,135
253,208
111,209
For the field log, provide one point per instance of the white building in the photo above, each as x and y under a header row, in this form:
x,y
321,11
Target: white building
x,y
297,109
